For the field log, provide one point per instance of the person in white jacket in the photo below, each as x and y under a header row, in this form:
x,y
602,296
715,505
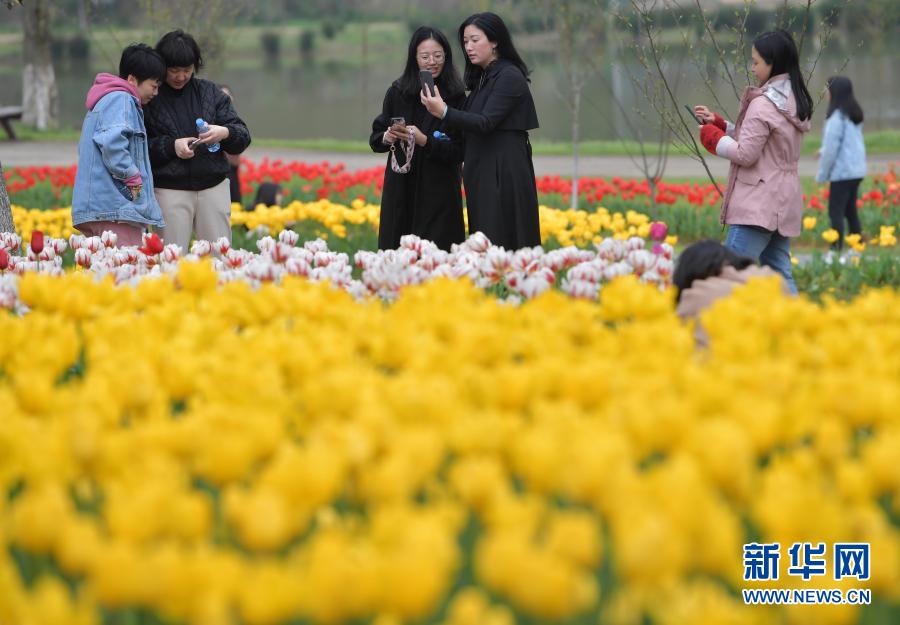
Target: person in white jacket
x,y
842,159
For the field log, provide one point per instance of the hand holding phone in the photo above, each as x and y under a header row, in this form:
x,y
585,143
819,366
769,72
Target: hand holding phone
x,y
184,147
427,82
694,115
397,129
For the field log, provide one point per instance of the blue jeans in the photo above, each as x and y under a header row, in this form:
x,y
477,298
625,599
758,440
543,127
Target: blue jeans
x,y
764,246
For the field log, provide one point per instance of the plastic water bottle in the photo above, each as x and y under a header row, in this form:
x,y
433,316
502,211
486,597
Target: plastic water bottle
x,y
440,136
202,127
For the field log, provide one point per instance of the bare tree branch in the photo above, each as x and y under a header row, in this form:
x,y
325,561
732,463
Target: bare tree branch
x,y
679,127
806,14
719,52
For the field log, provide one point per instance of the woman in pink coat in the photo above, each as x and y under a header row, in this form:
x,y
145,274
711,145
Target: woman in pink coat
x,y
763,203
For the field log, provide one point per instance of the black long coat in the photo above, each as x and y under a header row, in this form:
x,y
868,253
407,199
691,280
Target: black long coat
x,y
426,201
501,194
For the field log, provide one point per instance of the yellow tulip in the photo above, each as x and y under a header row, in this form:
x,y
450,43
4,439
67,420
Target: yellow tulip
x,y
207,453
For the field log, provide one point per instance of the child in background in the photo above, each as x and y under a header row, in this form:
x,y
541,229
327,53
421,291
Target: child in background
x,y
113,187
842,159
268,194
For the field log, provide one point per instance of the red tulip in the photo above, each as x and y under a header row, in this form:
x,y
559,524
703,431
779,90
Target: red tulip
x,y
153,245
37,241
4,259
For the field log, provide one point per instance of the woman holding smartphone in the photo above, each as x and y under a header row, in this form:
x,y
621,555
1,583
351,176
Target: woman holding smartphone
x,y
501,193
190,174
421,194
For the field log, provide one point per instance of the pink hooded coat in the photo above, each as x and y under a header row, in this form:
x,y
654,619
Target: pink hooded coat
x,y
763,183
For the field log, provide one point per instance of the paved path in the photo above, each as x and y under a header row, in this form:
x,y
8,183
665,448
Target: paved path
x,y
14,154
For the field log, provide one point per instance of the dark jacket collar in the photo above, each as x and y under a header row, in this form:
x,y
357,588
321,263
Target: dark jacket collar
x,y
497,65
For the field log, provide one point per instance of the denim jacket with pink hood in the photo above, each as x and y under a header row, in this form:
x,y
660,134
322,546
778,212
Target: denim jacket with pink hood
x,y
112,155
764,150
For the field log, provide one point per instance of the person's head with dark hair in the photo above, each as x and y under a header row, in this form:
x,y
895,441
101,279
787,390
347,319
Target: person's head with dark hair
x,y
143,68
429,49
268,194
841,98
775,53
702,260
182,56
485,38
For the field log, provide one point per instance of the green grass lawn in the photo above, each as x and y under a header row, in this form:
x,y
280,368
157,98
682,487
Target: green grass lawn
x,y
878,142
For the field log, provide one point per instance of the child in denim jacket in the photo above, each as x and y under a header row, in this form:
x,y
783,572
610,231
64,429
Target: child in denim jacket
x,y
113,187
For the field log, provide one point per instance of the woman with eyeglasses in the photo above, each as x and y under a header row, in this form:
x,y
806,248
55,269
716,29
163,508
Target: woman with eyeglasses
x,y
422,187
501,194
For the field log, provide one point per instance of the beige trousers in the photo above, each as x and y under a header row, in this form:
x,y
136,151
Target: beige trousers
x,y
208,212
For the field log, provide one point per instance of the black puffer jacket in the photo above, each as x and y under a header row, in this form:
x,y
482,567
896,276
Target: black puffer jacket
x,y
171,115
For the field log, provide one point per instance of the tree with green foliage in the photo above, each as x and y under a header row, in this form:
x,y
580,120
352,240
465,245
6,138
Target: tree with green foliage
x,y
203,20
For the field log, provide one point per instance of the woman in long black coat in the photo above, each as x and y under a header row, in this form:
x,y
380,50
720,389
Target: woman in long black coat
x,y
427,200
501,194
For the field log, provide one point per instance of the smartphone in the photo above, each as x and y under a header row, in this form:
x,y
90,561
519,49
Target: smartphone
x,y
192,143
427,81
398,121
693,114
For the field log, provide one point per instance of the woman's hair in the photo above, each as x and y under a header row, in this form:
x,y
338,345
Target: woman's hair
x,y
843,100
777,48
496,31
704,259
448,82
179,49
142,62
267,194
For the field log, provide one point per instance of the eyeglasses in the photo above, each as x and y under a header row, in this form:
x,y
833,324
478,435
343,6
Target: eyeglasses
x,y
437,56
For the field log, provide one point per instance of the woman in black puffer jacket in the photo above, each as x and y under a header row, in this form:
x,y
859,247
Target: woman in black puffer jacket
x,y
190,180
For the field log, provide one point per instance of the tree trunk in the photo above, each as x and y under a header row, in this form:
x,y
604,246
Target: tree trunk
x,y
576,138
40,98
365,66
6,222
84,23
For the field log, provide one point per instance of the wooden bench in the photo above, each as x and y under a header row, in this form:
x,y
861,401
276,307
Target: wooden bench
x,y
7,114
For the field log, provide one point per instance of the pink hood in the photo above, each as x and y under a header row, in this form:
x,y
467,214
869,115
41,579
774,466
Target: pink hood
x,y
104,84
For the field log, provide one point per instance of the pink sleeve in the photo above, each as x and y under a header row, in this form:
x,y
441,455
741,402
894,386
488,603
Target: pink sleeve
x,y
135,180
754,134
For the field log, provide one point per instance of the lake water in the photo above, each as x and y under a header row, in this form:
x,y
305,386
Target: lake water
x,y
299,100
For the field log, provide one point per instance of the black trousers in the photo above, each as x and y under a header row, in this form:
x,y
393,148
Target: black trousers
x,y
841,205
